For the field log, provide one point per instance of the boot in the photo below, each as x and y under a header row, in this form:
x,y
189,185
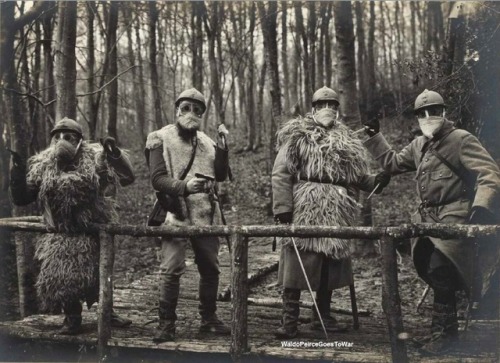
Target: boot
x,y
323,299
291,311
166,329
210,323
73,319
119,322
444,330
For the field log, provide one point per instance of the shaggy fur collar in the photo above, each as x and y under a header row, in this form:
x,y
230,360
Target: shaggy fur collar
x,y
73,199
315,151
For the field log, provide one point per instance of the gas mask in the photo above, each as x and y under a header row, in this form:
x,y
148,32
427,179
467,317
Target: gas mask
x,y
430,125
189,116
325,117
66,145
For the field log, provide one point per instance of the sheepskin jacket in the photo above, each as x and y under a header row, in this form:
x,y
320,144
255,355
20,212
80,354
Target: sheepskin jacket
x,y
69,261
176,152
308,152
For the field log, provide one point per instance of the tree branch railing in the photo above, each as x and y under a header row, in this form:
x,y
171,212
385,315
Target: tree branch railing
x,y
239,261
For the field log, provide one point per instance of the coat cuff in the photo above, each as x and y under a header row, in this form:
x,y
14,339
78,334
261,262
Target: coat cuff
x,y
486,198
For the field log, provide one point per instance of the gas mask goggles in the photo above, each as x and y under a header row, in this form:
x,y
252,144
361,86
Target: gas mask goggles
x,y
430,120
326,113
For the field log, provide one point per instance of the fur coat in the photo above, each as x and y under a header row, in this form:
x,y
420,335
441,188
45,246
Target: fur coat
x,y
306,152
69,262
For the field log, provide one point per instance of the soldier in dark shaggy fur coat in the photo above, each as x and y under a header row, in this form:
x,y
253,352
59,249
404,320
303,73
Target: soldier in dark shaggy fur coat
x,y
316,172
69,180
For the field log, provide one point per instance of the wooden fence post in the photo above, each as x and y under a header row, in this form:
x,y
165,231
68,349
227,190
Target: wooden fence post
x,y
239,292
391,303
106,260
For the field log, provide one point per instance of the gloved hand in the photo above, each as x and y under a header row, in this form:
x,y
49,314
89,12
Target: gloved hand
x,y
17,160
382,179
222,133
481,215
109,145
372,127
284,218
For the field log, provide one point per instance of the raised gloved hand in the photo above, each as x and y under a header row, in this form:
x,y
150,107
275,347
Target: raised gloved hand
x,y
382,179
372,127
18,169
17,160
481,215
222,133
284,218
195,185
109,145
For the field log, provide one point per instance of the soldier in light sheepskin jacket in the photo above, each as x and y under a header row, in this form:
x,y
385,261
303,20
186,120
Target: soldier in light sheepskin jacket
x,y
175,154
70,180
316,172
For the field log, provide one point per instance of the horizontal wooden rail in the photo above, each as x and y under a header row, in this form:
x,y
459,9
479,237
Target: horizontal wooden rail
x,y
402,231
239,263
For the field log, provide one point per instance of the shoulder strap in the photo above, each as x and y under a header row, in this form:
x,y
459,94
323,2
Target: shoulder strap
x,y
193,153
461,172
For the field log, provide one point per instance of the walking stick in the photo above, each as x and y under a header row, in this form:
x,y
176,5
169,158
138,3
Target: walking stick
x,y
309,286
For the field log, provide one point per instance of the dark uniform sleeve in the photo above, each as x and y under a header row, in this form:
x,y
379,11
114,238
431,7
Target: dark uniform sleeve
x,y
366,183
221,163
21,192
477,160
160,178
389,159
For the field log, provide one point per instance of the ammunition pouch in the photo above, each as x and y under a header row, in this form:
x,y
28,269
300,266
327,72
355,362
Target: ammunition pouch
x,y
165,203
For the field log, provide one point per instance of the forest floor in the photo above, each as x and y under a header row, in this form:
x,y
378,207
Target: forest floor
x,y
247,201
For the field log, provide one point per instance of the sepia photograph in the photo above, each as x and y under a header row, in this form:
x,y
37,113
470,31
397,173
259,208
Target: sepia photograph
x,y
249,181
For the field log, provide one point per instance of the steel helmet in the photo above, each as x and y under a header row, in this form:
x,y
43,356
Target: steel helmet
x,y
324,94
428,98
191,94
67,124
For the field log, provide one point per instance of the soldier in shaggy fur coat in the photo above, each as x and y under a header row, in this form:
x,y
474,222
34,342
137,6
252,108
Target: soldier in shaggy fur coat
x,y
69,179
317,170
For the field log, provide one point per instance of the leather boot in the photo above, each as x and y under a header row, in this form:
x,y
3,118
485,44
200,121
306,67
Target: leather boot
x,y
169,294
73,318
210,323
323,299
444,329
291,311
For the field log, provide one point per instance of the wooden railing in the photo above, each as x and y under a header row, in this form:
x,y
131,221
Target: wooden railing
x,y
239,259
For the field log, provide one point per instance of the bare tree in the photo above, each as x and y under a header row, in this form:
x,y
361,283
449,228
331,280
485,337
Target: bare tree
x,y
113,69
342,12
153,19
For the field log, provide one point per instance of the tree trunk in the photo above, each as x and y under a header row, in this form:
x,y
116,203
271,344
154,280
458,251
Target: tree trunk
x,y
361,56
301,34
347,65
212,28
141,90
260,100
139,114
113,69
311,35
284,55
252,125
197,44
328,48
371,86
49,93
155,90
66,61
413,29
268,24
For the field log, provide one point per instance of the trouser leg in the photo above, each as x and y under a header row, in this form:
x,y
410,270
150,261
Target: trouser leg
x,y
172,267
445,281
206,250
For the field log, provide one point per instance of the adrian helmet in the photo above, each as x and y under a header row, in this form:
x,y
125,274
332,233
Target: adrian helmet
x,y
67,124
191,94
428,98
324,94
